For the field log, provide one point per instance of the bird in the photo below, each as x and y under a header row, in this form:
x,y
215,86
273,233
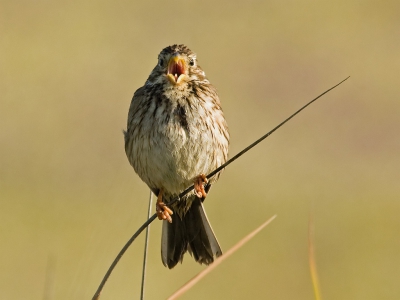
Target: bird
x,y
176,133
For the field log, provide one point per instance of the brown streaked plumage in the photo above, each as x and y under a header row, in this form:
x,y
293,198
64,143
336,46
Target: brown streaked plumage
x,y
176,133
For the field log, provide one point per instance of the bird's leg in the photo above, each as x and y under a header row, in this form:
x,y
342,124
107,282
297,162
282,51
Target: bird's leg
x,y
199,185
163,211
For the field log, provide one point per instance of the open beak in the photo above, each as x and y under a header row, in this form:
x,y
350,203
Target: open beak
x,y
176,69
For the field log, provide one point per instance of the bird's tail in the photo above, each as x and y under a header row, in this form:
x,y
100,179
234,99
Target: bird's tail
x,y
194,233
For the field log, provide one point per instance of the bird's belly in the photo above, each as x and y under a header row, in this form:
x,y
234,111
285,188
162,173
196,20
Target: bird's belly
x,y
174,157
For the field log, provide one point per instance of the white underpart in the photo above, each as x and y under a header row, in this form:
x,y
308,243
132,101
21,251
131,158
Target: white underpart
x,y
172,157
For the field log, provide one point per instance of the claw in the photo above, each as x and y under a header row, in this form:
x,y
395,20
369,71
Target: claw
x,y
163,211
199,185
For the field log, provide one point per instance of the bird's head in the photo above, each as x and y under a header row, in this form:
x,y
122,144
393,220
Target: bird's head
x,y
177,64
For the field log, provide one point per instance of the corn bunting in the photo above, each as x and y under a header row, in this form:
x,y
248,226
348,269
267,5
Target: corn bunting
x,y
176,133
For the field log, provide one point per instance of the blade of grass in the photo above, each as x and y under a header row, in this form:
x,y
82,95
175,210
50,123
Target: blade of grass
x,y
219,260
146,242
49,279
311,259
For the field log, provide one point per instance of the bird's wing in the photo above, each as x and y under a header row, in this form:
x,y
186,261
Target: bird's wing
x,y
136,100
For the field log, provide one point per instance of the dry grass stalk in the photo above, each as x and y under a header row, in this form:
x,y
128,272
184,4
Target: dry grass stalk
x,y
219,260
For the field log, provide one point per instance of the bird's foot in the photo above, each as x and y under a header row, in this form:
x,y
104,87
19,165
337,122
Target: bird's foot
x,y
199,185
163,211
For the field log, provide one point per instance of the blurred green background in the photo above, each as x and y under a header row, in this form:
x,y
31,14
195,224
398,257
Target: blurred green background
x,y
70,200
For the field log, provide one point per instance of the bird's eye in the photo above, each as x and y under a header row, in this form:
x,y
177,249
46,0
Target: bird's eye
x,y
160,62
191,62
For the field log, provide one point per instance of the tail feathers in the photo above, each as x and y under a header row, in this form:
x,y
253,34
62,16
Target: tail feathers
x,y
173,242
194,233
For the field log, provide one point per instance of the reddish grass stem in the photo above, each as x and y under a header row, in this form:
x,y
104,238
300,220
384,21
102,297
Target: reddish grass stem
x,y
219,260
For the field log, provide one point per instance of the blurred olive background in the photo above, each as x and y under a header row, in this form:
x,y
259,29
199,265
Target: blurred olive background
x,y
70,200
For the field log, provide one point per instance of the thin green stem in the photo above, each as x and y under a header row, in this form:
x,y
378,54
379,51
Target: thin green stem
x,y
151,219
146,242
